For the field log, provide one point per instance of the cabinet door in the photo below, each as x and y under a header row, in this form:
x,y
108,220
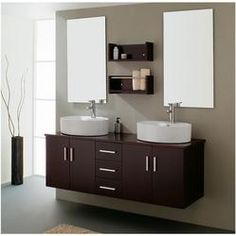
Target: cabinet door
x,y
137,172
57,164
82,165
168,176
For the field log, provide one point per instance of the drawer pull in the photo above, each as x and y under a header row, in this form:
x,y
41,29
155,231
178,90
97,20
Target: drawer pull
x,y
65,154
154,164
107,188
107,151
147,157
107,170
71,154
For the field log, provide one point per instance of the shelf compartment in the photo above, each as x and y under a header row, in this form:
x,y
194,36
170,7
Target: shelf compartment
x,y
135,52
123,85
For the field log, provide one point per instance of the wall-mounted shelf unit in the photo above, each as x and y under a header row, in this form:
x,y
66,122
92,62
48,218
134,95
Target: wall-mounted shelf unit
x,y
135,52
121,84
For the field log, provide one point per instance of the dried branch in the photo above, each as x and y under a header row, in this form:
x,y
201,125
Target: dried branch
x,y
10,122
7,102
21,102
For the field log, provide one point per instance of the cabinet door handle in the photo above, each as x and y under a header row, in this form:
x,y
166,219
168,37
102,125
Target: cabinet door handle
x,y
107,170
65,154
107,188
71,154
107,151
154,164
147,164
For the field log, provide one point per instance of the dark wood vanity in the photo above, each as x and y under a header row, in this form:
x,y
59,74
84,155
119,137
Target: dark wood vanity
x,y
121,166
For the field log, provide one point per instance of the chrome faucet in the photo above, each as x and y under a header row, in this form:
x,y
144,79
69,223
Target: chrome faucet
x,y
92,107
171,111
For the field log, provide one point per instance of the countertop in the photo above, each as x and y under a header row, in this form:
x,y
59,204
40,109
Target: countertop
x,y
127,138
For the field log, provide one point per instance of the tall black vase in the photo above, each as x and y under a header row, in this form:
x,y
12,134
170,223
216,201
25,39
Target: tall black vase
x,y
17,160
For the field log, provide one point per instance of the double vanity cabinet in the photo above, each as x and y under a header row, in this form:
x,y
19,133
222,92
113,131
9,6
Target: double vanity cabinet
x,y
121,166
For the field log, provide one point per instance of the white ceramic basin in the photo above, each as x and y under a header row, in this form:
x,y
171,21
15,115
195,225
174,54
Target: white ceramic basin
x,y
164,132
84,125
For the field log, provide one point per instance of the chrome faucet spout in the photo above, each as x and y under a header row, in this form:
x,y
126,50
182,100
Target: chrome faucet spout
x,y
171,111
92,107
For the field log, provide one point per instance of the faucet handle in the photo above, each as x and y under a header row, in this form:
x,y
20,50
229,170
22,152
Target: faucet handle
x,y
91,101
102,101
175,104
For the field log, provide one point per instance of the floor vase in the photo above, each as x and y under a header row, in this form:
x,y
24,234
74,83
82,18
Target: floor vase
x,y
17,160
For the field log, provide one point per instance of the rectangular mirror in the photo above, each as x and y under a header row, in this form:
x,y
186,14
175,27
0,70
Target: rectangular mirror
x,y
188,58
86,59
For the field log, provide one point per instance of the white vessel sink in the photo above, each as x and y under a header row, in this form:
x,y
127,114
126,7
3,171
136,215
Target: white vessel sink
x,y
84,125
164,132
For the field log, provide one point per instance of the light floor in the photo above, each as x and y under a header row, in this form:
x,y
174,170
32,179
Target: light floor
x,y
32,208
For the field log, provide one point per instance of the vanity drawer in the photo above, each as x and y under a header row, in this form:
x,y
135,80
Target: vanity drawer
x,y
108,151
108,187
108,169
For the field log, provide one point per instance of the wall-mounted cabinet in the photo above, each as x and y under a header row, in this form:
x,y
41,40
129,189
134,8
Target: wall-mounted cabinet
x,y
134,52
70,163
169,176
123,167
123,84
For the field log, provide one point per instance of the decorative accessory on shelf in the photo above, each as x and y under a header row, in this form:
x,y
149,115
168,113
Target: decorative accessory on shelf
x,y
136,79
115,53
123,56
143,74
16,140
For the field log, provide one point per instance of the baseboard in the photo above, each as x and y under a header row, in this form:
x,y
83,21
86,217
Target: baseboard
x,y
8,183
5,184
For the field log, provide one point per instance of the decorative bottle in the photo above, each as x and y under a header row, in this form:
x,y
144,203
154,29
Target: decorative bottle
x,y
115,53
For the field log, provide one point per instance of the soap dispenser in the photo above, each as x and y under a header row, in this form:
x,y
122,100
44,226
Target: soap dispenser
x,y
117,126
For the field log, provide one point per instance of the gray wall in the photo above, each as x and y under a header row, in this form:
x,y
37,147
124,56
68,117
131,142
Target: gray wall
x,y
143,22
